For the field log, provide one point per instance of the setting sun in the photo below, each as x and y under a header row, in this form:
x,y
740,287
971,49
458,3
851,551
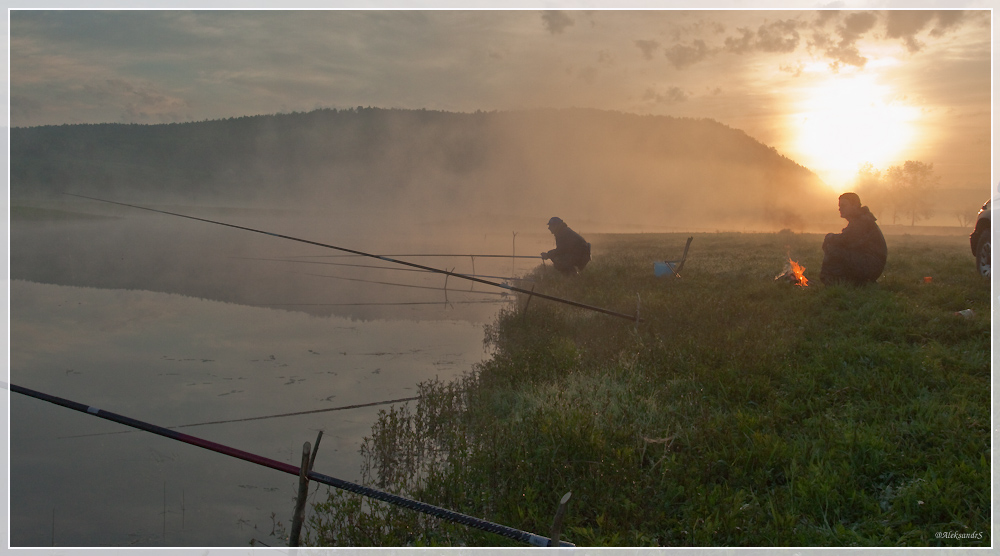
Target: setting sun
x,y
848,120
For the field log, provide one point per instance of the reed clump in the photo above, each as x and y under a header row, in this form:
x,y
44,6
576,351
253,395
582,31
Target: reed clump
x,y
741,412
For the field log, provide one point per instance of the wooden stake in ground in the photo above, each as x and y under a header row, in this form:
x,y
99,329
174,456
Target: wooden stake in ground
x,y
557,522
300,500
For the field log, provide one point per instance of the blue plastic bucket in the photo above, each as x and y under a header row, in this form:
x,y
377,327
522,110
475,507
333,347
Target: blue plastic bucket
x,y
661,268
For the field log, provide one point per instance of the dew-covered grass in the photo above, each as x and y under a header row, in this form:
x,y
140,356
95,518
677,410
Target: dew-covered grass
x,y
741,411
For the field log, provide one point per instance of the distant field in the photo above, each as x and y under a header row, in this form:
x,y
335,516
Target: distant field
x,y
741,412
900,230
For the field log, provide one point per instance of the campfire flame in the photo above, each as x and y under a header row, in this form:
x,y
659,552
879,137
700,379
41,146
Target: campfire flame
x,y
794,273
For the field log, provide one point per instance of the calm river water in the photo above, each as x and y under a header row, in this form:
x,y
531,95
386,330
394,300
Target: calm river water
x,y
180,323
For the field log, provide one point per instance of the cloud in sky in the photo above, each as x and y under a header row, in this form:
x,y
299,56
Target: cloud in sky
x,y
742,68
850,30
251,61
556,22
778,36
648,47
906,25
684,55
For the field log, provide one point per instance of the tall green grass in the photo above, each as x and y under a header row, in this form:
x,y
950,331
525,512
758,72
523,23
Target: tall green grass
x,y
741,412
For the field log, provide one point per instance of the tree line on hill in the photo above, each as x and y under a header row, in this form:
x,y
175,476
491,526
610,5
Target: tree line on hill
x,y
604,166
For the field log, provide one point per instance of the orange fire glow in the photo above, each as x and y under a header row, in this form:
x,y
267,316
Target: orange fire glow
x,y
794,273
798,273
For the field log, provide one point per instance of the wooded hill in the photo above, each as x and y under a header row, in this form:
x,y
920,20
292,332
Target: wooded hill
x,y
613,168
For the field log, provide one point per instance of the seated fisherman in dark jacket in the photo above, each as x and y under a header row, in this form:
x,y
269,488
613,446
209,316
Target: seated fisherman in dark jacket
x,y
857,254
572,252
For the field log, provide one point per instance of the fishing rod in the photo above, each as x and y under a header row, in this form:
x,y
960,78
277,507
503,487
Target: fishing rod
x,y
295,414
388,303
292,260
380,257
435,288
426,255
408,503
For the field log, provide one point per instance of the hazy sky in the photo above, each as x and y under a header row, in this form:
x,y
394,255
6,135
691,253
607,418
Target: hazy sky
x,y
829,89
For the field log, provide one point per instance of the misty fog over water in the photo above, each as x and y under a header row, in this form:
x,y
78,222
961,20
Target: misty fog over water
x,y
132,249
445,138
178,322
611,171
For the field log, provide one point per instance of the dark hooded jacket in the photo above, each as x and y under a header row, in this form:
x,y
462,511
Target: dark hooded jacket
x,y
572,252
858,253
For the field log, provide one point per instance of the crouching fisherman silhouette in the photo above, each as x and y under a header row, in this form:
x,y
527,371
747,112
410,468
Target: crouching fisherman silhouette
x,y
572,252
857,254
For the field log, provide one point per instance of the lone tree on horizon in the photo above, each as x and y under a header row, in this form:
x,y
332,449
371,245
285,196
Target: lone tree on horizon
x,y
911,186
904,190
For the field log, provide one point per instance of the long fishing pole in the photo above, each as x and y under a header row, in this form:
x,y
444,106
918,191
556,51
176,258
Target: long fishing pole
x,y
380,257
426,255
435,288
387,303
408,503
240,420
293,260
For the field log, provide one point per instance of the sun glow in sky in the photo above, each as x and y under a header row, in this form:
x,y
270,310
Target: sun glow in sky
x,y
845,121
830,89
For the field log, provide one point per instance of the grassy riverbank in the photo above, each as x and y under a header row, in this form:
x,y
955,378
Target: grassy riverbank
x,y
741,412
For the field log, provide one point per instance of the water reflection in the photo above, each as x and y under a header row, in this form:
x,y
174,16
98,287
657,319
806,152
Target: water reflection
x,y
179,324
162,253
173,360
